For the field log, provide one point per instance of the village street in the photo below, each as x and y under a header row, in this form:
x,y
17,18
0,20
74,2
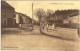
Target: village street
x,y
34,40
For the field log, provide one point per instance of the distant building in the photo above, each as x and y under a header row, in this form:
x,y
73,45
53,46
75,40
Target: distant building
x,y
7,15
69,21
73,21
23,20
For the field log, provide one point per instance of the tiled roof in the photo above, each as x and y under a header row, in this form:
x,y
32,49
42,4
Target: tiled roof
x,y
5,4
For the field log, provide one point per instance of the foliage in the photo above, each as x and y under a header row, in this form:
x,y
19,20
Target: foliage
x,y
65,13
40,13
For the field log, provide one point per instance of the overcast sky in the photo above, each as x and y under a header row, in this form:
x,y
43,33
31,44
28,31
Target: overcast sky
x,y
26,6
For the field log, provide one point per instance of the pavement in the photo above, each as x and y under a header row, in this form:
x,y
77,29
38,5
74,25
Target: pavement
x,y
34,40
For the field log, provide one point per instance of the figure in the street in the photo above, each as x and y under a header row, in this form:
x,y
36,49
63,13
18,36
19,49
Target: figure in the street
x,y
43,26
20,25
53,27
47,27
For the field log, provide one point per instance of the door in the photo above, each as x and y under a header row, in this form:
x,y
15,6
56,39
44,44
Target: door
x,y
9,22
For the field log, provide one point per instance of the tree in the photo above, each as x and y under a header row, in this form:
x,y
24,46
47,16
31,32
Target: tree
x,y
40,13
65,13
50,13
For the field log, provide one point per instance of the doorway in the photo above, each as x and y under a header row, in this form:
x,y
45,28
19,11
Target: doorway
x,y
9,22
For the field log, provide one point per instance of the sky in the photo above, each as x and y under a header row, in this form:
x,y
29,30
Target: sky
x,y
25,7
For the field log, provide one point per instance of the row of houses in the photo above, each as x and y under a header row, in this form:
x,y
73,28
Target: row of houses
x,y
69,22
10,18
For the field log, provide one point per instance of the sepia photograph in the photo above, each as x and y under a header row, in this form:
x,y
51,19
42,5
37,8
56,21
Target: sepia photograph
x,y
40,25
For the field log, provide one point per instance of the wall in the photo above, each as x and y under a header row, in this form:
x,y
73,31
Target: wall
x,y
5,14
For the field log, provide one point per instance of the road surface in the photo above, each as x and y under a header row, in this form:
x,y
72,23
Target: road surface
x,y
36,41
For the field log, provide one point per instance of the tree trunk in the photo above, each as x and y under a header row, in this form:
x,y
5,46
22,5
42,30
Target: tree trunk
x,y
40,24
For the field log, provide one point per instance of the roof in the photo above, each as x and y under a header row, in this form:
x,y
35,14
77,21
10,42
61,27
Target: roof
x,y
5,4
23,15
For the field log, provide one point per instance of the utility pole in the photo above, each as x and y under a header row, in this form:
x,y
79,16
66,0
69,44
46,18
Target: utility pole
x,y
32,16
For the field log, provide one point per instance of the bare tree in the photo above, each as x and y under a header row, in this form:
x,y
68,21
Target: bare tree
x,y
40,13
50,12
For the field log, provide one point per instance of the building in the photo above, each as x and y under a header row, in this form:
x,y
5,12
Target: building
x,y
73,21
22,20
7,15
67,20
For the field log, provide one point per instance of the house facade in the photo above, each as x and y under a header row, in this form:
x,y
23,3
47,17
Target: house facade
x,y
73,21
7,15
69,21
22,20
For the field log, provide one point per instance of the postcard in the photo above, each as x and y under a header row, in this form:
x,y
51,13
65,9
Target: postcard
x,y
40,25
